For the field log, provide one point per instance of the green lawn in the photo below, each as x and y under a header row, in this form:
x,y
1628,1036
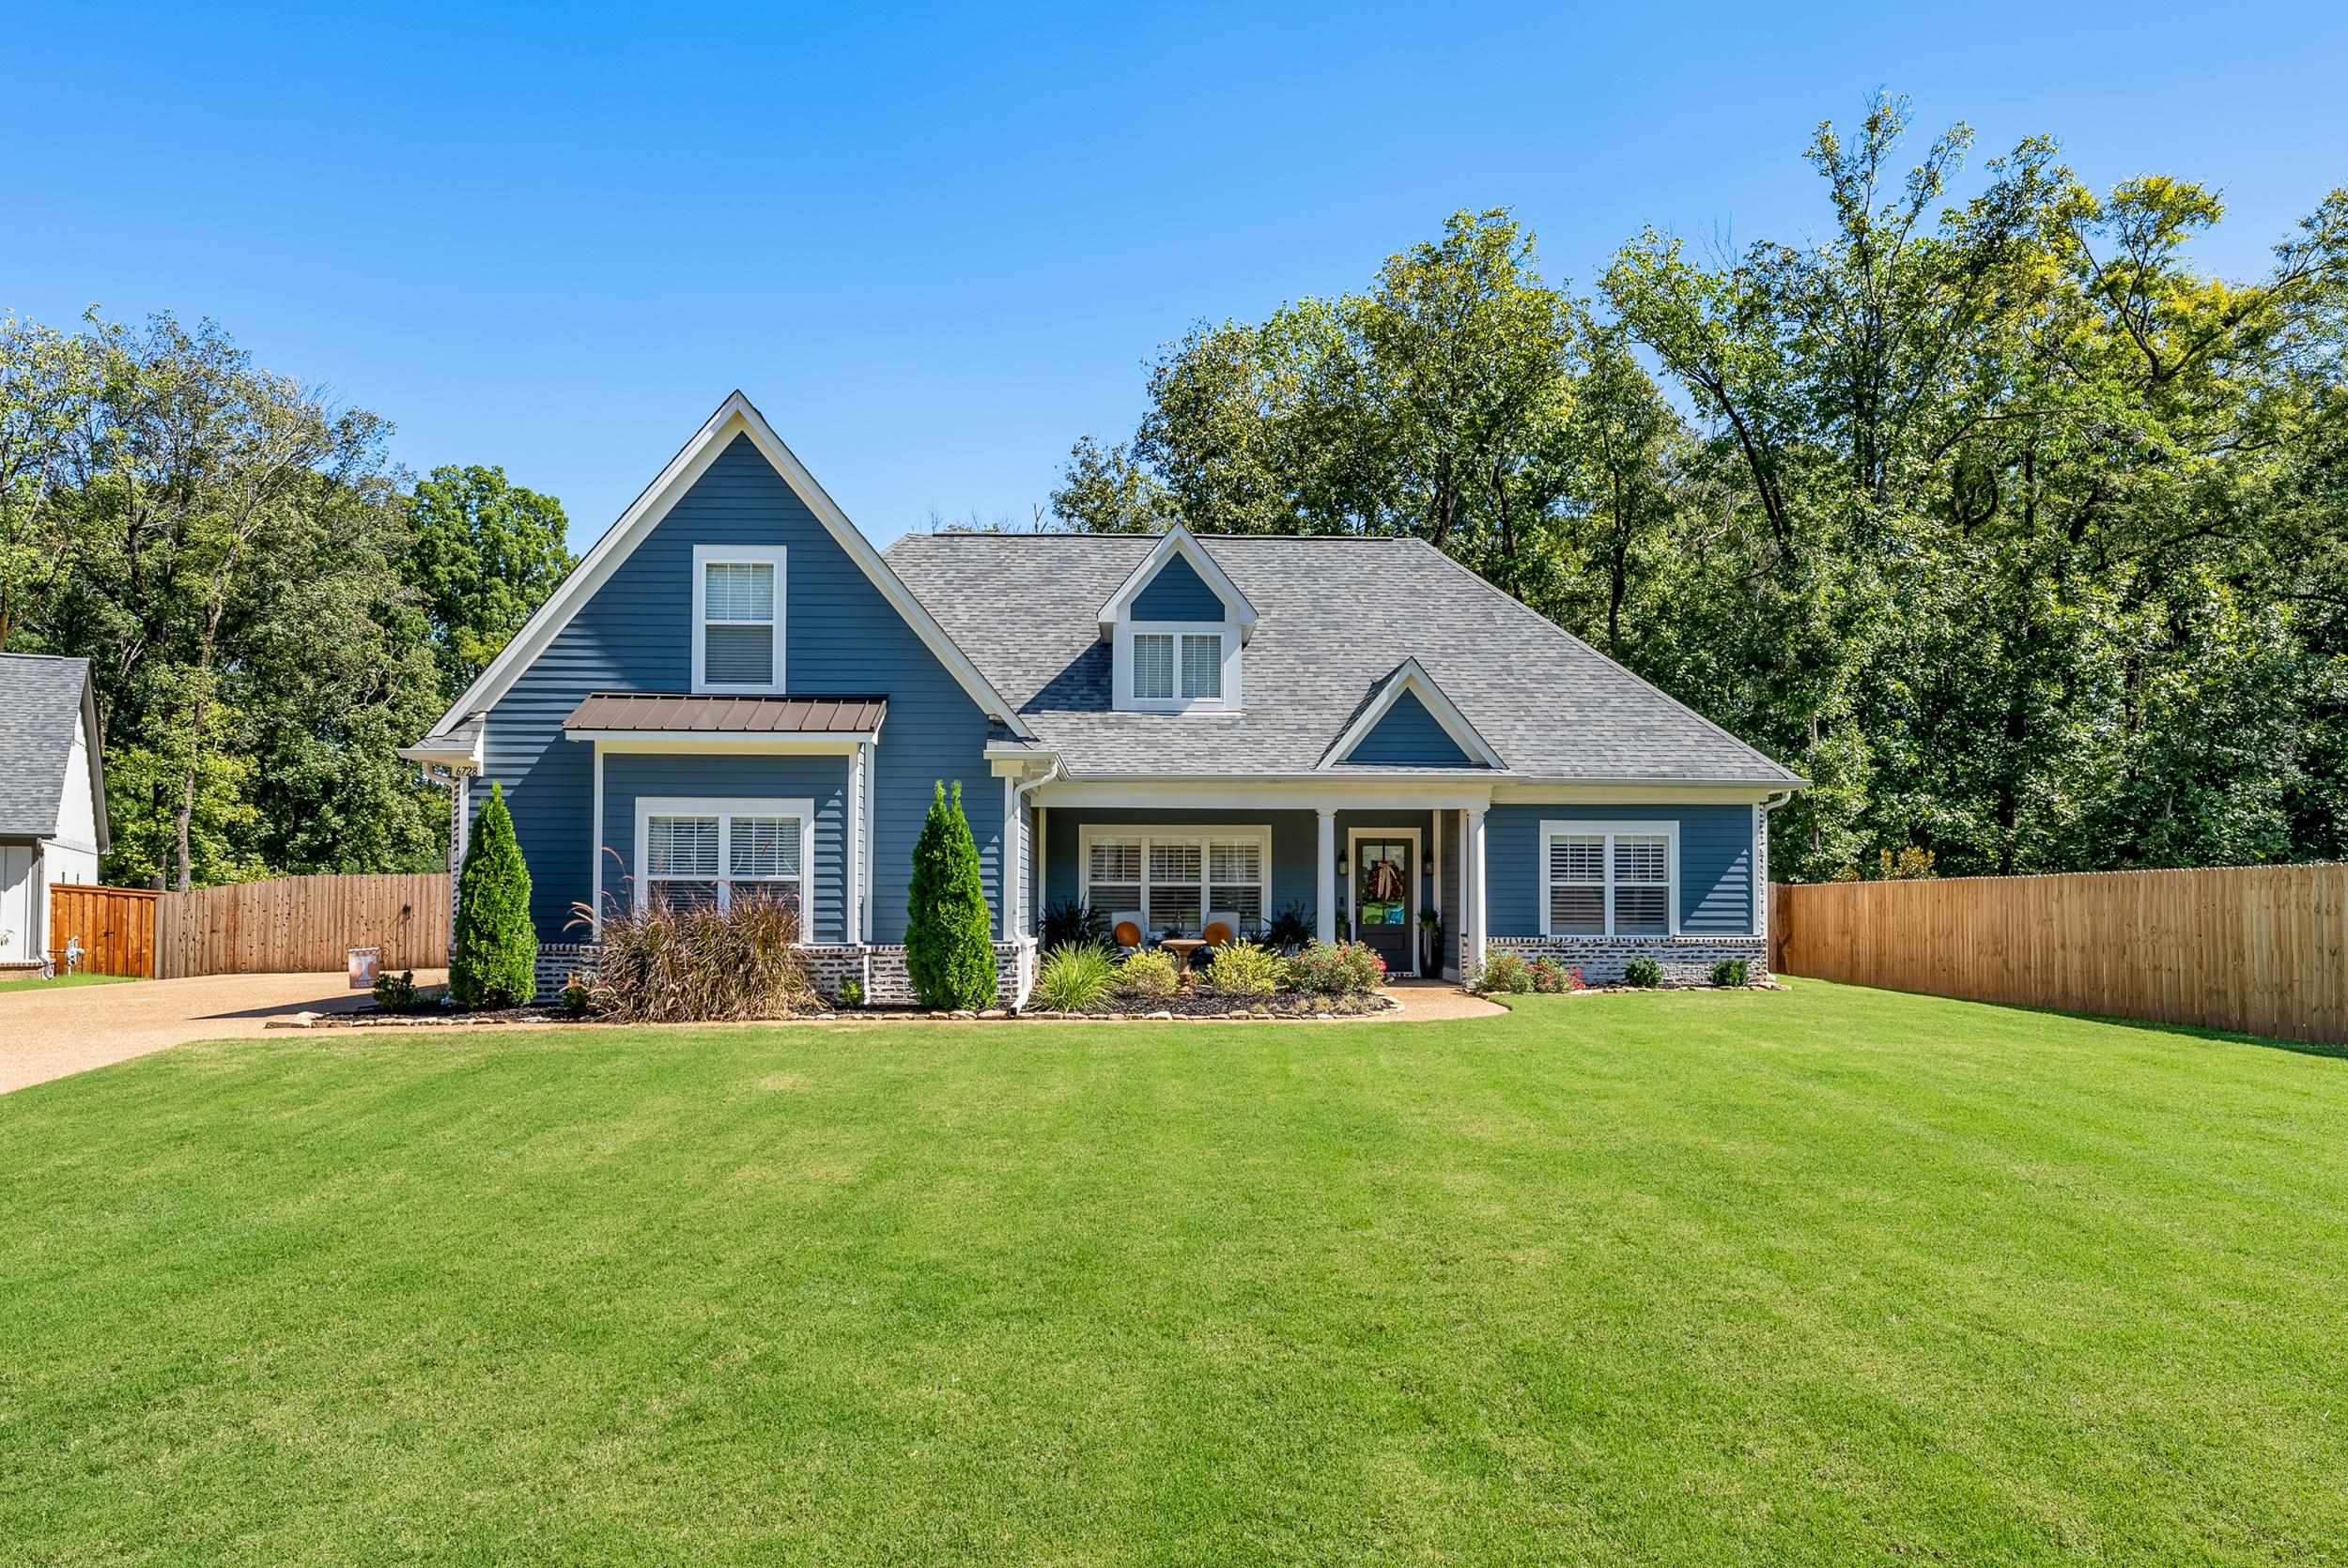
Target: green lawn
x,y
37,983
1830,1275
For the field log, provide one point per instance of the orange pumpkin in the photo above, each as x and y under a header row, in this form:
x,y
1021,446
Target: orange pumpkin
x,y
1128,935
1218,933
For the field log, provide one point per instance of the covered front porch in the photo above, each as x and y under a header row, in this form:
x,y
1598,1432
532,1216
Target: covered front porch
x,y
1398,873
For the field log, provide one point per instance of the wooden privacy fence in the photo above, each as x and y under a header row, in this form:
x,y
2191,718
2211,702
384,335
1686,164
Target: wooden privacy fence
x,y
115,927
2259,948
303,923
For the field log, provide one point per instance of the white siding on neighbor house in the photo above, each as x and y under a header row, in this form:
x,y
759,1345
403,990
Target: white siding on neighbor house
x,y
20,937
77,813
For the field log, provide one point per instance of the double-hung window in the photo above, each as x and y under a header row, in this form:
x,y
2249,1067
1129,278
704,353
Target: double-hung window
x,y
699,854
1609,879
738,617
1179,878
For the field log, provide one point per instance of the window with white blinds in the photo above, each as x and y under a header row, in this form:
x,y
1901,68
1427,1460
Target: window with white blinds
x,y
1609,879
702,853
680,860
1154,667
1203,667
1178,878
1175,667
738,617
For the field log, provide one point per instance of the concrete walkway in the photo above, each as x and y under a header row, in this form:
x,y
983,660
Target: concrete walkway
x,y
51,1033
1427,1001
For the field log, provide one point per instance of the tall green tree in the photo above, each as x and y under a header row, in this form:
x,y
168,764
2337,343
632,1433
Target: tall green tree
x,y
484,554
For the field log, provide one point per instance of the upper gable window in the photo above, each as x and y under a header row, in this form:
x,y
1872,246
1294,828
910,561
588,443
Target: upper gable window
x,y
1176,668
738,606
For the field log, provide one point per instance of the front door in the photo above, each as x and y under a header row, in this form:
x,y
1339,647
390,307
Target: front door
x,y
1384,912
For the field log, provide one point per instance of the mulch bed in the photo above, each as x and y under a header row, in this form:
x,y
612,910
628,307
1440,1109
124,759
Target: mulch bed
x,y
1198,1002
1194,1001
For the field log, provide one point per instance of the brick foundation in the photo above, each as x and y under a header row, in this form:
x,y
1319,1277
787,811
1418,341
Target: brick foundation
x,y
1685,959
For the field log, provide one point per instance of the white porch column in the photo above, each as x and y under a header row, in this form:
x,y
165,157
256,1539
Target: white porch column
x,y
1326,898
1471,870
854,921
1010,878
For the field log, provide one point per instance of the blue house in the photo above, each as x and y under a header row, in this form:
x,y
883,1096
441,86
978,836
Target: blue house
x,y
735,690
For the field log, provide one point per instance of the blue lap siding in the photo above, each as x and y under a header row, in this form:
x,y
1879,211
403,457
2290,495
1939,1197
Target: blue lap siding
x,y
1178,592
823,780
841,638
1408,736
1715,863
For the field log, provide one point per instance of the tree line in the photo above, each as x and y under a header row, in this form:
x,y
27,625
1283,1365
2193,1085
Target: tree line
x,y
269,606
1995,517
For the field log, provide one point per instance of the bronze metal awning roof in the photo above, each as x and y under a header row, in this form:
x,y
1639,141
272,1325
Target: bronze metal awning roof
x,y
655,713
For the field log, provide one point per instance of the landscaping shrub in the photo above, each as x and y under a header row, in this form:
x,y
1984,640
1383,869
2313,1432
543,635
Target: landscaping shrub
x,y
1549,976
1643,974
1073,922
1336,969
396,993
1149,974
665,965
1290,930
1074,978
493,956
1505,973
852,992
949,946
1244,969
1729,972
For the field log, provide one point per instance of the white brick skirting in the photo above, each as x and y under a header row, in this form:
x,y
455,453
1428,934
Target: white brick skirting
x,y
879,969
1601,959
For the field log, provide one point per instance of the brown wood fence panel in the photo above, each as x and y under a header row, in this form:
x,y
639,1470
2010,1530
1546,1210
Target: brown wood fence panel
x,y
295,924
2259,948
115,926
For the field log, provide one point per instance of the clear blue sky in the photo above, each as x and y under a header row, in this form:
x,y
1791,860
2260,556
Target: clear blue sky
x,y
935,246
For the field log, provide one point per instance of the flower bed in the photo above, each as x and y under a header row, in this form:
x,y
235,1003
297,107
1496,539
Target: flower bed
x,y
1196,1001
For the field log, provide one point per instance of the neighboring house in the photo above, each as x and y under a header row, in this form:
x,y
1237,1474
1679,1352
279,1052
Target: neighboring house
x,y
53,794
735,689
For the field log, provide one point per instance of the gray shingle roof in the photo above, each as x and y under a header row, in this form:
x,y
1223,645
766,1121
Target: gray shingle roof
x,y
1336,617
39,699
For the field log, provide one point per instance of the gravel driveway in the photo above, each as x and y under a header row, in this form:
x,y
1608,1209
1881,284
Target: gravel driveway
x,y
52,1034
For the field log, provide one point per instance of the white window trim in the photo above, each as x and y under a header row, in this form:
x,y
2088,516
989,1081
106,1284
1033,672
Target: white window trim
x,y
1553,827
1258,834
707,555
1124,700
725,810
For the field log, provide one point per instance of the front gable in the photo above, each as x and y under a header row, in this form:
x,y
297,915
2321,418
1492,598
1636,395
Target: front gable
x,y
627,621
1410,722
1408,736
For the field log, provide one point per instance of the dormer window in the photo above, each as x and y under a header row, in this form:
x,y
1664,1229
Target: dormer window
x,y
1156,668
738,617
1176,666
1175,628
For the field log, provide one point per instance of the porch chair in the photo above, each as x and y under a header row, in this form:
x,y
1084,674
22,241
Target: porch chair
x,y
1128,929
1222,925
